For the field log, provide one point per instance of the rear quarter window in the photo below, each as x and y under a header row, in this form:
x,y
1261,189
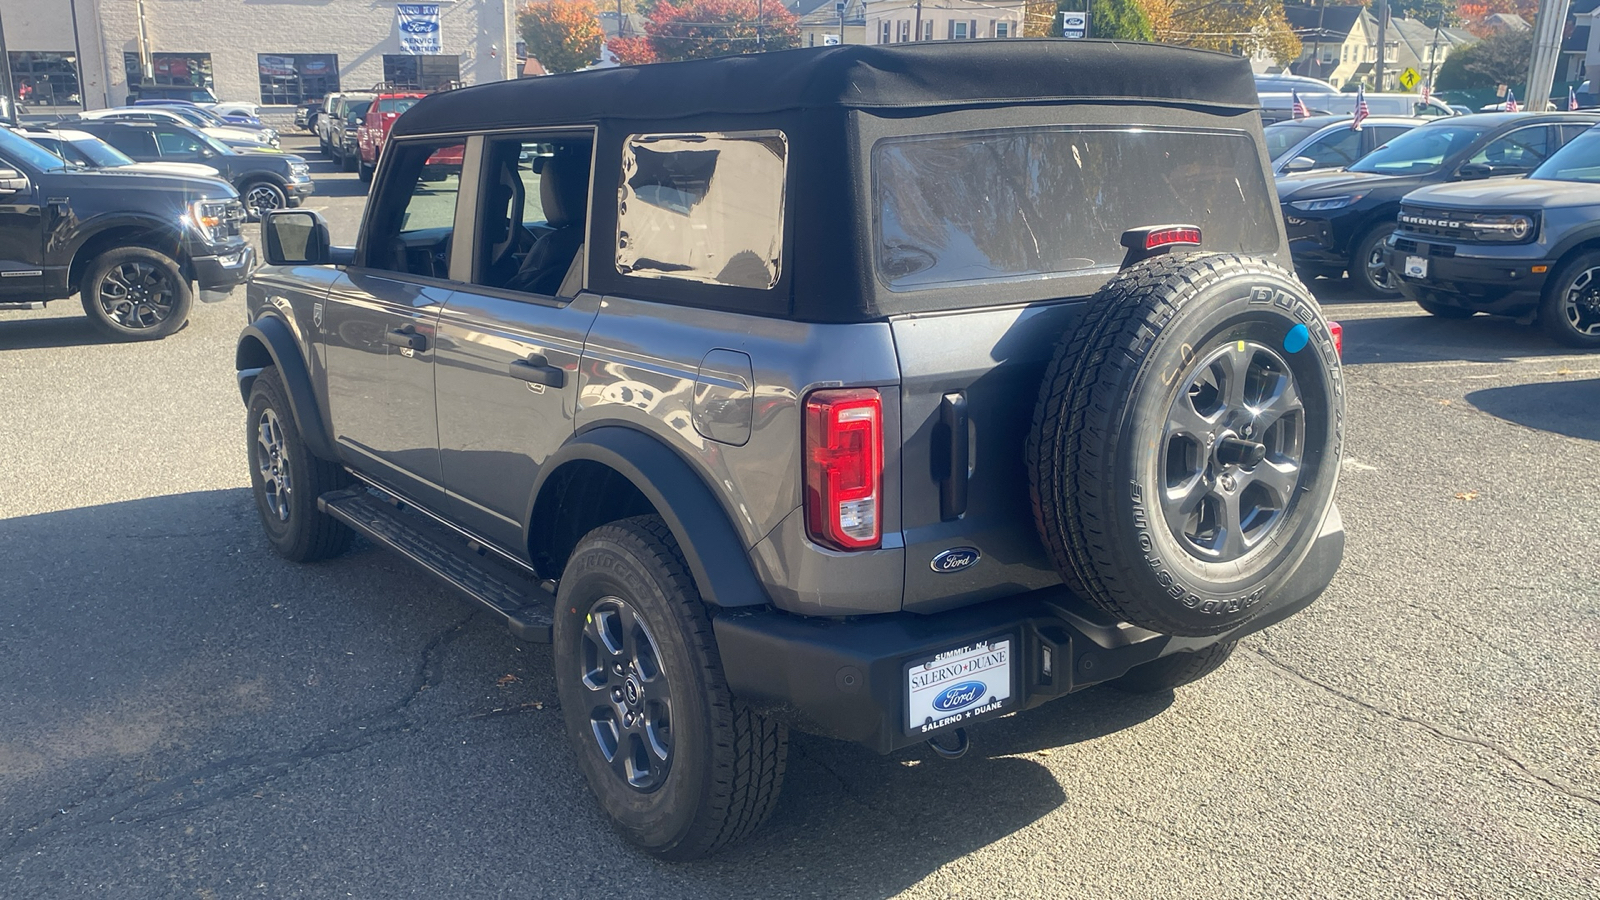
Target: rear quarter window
x,y
1024,203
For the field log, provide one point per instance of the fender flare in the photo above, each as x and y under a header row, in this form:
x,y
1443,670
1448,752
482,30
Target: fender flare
x,y
716,556
280,344
1571,241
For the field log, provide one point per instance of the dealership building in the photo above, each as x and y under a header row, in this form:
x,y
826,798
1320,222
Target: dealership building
x,y
272,52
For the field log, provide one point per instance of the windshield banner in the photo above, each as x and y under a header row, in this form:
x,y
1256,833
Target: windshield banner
x,y
418,24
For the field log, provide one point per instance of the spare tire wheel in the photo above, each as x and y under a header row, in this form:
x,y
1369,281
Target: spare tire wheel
x,y
1186,441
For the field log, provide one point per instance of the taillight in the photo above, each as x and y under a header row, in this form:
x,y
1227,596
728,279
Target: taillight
x,y
1337,330
844,467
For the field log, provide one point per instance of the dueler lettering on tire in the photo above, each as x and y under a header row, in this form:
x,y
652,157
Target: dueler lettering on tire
x,y
1186,441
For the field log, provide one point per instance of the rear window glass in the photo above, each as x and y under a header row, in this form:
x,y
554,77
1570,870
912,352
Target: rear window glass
x,y
703,207
396,104
1036,202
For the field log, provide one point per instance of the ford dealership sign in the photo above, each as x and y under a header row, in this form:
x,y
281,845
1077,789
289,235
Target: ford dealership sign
x,y
418,24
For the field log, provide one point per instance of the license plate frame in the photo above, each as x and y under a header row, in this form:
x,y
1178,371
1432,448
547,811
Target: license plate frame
x,y
1416,267
948,675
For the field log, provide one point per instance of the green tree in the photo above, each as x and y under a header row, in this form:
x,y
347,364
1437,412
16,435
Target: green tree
x,y
1117,20
563,35
1501,58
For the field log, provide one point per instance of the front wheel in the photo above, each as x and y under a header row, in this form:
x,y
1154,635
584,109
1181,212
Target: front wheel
x,y
287,479
136,293
1366,263
678,766
1570,312
262,197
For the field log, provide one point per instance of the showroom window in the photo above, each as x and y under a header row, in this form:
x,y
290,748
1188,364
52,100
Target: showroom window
x,y
290,78
171,68
421,73
44,78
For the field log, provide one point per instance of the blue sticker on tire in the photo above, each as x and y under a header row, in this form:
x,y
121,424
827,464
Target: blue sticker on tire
x,y
1297,339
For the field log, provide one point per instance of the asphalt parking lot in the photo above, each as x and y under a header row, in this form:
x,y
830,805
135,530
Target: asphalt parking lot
x,y
187,715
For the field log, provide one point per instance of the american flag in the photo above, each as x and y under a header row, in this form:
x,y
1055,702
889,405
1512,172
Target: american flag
x,y
1427,91
1300,111
1511,102
1362,112
1572,98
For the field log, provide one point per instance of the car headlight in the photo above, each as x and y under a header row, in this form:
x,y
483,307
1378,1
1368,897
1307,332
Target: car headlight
x,y
215,218
299,170
1321,204
1510,228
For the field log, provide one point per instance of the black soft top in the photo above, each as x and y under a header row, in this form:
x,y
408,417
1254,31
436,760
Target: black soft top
x,y
941,74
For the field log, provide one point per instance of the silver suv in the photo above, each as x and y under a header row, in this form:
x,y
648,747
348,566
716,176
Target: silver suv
x,y
854,390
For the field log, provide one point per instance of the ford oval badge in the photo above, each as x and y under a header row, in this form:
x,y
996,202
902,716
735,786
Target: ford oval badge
x,y
954,560
960,696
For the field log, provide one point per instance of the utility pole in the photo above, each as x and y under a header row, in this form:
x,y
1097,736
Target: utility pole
x,y
1547,29
916,35
1433,51
1316,41
1383,28
760,16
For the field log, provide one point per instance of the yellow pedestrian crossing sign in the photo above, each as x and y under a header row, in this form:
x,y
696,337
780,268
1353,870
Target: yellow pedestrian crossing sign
x,y
1409,78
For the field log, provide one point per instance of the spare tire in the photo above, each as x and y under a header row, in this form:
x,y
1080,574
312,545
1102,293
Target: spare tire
x,y
1186,441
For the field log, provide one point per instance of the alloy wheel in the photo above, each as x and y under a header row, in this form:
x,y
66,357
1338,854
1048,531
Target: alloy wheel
x,y
1377,272
272,461
1580,306
136,295
1231,451
263,198
630,699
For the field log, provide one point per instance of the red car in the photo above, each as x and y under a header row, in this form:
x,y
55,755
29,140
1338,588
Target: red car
x,y
372,132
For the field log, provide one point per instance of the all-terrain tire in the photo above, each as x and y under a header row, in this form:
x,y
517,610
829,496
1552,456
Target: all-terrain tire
x,y
1174,671
286,478
1570,310
1103,452
136,294
723,768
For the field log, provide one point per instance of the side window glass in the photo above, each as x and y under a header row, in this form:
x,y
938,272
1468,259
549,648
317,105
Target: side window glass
x,y
703,207
177,144
1568,132
535,209
137,143
1383,134
1341,148
1521,149
409,229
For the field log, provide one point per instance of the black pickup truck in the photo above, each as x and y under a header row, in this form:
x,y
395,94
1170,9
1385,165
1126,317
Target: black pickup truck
x,y
132,245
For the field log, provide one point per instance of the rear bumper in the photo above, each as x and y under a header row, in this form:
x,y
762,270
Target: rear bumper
x,y
847,679
218,275
1500,286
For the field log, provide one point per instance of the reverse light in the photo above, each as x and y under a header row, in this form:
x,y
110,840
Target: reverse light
x,y
844,468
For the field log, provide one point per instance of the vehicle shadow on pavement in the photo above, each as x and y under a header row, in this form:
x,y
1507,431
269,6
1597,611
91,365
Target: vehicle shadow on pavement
x,y
858,824
56,331
1428,338
1561,407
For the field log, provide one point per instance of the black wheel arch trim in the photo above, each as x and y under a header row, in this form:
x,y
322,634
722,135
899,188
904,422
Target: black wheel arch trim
x,y
273,335
717,558
1573,243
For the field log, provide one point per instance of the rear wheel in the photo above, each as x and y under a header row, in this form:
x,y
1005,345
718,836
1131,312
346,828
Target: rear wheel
x,y
1570,312
1367,268
678,766
364,171
136,293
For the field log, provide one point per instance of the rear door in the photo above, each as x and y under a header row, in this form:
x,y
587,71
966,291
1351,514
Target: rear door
x,y
21,227
509,344
378,328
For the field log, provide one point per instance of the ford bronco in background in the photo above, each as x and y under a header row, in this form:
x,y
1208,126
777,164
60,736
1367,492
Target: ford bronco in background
x,y
875,392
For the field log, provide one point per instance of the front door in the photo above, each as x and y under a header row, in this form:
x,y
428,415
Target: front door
x,y
508,346
21,228
378,329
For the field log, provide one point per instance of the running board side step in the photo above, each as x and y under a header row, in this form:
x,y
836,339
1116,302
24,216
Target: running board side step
x,y
527,607
22,304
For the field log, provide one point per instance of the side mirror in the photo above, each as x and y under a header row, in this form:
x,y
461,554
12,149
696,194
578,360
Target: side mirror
x,y
1474,171
361,120
12,182
1300,164
295,237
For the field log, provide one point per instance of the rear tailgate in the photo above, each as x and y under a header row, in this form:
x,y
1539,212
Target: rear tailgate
x,y
969,381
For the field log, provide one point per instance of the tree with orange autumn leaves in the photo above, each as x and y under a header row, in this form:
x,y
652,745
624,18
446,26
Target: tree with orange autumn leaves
x,y
1244,27
563,35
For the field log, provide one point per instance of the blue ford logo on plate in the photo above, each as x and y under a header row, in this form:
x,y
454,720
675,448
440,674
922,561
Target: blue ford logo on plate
x,y
960,696
955,559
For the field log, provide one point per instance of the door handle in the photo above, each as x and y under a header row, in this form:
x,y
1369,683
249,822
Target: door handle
x,y
535,370
404,337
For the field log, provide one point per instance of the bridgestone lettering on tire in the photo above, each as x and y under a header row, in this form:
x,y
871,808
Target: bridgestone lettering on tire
x,y
1186,442
708,770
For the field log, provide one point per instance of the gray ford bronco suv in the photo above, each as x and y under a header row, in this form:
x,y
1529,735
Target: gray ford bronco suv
x,y
874,392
